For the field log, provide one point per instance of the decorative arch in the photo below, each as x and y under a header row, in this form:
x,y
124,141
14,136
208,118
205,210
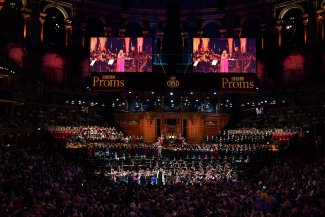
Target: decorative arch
x,y
206,22
288,8
24,3
59,7
100,17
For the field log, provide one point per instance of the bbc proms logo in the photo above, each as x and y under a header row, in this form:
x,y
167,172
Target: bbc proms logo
x,y
173,82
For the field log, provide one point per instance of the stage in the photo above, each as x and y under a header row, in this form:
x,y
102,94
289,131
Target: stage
x,y
194,126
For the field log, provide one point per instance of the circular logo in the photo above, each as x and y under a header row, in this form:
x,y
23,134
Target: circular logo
x,y
173,82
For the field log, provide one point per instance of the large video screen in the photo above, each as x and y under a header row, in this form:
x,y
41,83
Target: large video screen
x,y
224,55
120,54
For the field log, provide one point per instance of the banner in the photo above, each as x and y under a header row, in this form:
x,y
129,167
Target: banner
x,y
161,82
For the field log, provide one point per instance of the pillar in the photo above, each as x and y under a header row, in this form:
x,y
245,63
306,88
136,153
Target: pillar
x,y
42,20
279,26
68,31
83,32
305,22
263,29
320,23
26,15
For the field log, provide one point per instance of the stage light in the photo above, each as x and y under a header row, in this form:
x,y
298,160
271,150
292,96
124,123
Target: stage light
x,y
288,27
147,100
214,93
283,101
186,100
67,102
191,93
242,105
197,100
171,93
117,99
130,92
152,92
113,105
103,105
265,101
171,100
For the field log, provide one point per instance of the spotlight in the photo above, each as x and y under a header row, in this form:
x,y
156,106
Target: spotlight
x,y
288,27
191,93
152,93
214,93
130,92
171,93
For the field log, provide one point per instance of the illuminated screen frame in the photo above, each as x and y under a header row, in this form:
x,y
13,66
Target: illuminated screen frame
x,y
224,55
104,55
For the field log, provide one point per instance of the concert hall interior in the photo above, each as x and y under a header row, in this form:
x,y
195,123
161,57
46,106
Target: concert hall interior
x,y
162,108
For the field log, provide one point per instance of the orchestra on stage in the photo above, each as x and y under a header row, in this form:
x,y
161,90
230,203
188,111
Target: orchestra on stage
x,y
120,54
224,55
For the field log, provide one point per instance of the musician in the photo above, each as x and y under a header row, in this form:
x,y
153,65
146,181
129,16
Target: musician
x,y
224,62
135,56
100,65
202,64
238,55
120,61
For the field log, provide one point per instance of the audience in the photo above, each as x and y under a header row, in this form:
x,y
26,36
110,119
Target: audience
x,y
37,181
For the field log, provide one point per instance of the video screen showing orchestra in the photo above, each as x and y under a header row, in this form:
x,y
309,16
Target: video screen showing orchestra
x,y
120,54
224,55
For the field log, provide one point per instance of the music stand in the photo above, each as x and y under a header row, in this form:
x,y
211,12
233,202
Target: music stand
x,y
214,62
110,64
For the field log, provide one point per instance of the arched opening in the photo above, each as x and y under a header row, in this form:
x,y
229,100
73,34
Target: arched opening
x,y
133,30
211,30
11,20
293,28
54,27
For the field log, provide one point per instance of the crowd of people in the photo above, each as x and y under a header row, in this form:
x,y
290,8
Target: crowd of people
x,y
36,181
88,133
289,119
51,115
